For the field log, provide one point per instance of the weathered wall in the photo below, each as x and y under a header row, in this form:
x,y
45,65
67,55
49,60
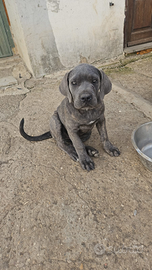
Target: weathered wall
x,y
50,34
33,35
87,28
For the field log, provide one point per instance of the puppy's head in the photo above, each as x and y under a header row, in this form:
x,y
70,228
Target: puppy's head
x,y
85,86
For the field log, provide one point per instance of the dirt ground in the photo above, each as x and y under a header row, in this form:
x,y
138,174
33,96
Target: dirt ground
x,y
56,216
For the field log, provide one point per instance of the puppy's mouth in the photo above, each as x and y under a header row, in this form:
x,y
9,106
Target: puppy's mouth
x,y
85,107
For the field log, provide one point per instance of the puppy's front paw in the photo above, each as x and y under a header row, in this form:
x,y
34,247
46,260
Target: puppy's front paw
x,y
92,152
87,163
111,149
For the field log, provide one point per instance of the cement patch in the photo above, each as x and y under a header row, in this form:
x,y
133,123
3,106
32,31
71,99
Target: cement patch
x,y
5,81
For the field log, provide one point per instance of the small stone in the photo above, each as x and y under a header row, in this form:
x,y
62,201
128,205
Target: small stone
x,y
29,84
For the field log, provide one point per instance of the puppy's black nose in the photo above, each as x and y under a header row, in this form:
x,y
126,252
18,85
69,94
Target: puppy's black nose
x,y
86,97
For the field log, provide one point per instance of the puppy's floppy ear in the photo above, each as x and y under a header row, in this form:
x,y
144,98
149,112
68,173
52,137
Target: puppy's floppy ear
x,y
64,87
105,84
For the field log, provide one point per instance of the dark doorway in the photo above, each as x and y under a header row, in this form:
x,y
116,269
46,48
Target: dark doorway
x,y
138,24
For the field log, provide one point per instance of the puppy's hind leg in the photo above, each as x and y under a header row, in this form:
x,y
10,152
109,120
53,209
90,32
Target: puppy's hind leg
x,y
56,132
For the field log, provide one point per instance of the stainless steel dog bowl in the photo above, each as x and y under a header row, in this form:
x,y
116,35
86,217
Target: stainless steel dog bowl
x,y
142,142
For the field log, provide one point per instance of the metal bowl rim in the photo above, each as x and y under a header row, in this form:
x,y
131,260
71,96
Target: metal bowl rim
x,y
135,145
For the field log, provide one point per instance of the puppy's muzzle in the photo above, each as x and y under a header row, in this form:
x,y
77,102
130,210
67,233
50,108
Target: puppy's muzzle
x,y
86,98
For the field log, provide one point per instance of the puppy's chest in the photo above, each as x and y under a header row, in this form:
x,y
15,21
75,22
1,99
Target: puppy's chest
x,y
84,127
88,120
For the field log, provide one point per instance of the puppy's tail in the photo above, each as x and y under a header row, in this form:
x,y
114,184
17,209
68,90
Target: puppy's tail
x,y
42,137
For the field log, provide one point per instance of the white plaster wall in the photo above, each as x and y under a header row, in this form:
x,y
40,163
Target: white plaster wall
x,y
87,28
50,34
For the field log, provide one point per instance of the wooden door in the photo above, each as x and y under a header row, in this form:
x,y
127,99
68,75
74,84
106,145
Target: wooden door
x,y
138,25
6,41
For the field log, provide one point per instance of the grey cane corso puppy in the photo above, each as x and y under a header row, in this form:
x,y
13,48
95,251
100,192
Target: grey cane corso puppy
x,y
84,88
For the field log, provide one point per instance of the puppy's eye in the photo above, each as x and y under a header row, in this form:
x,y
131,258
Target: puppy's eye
x,y
94,81
74,83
